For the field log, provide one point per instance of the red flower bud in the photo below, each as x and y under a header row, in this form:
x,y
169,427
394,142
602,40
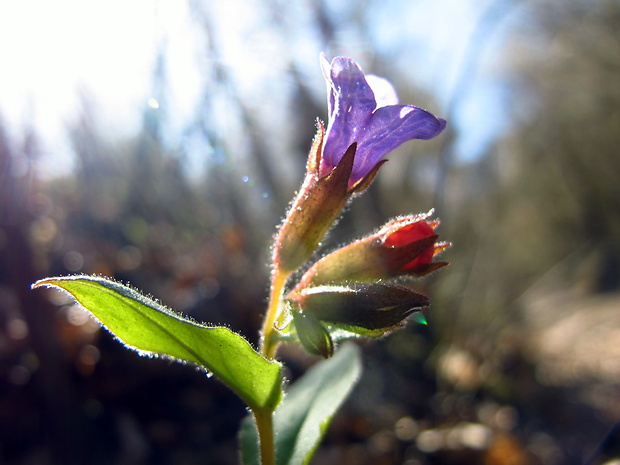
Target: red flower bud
x,y
403,247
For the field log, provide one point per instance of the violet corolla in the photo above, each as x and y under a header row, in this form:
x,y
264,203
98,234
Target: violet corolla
x,y
364,109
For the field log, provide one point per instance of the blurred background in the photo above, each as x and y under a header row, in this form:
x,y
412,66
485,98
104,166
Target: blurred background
x,y
159,142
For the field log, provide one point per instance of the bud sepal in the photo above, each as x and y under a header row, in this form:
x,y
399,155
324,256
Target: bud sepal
x,y
315,208
312,335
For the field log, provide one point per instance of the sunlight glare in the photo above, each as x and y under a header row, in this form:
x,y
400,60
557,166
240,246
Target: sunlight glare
x,y
52,51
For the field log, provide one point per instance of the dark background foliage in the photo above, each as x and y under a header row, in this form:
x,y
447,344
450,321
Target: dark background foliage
x,y
520,362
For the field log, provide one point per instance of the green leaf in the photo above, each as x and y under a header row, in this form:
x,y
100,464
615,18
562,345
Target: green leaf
x,y
152,329
248,441
302,418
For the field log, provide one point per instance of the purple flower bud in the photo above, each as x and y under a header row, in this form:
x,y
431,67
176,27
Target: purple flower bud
x,y
370,306
364,109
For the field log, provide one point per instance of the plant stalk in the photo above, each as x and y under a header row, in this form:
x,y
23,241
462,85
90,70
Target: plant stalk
x,y
264,425
269,343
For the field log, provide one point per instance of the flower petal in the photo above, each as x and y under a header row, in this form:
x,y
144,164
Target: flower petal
x,y
364,109
351,103
384,91
409,233
388,128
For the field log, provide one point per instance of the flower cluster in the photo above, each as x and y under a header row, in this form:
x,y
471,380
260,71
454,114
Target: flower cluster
x,y
350,288
365,124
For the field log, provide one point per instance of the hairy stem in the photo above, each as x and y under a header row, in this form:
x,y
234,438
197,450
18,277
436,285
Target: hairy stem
x,y
264,425
268,342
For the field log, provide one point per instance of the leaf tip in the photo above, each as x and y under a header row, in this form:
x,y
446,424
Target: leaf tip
x,y
46,282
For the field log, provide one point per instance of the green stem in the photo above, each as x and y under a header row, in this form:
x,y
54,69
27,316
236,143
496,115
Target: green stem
x,y
269,343
264,425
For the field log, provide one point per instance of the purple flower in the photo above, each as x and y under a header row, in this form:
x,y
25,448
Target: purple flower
x,y
364,109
